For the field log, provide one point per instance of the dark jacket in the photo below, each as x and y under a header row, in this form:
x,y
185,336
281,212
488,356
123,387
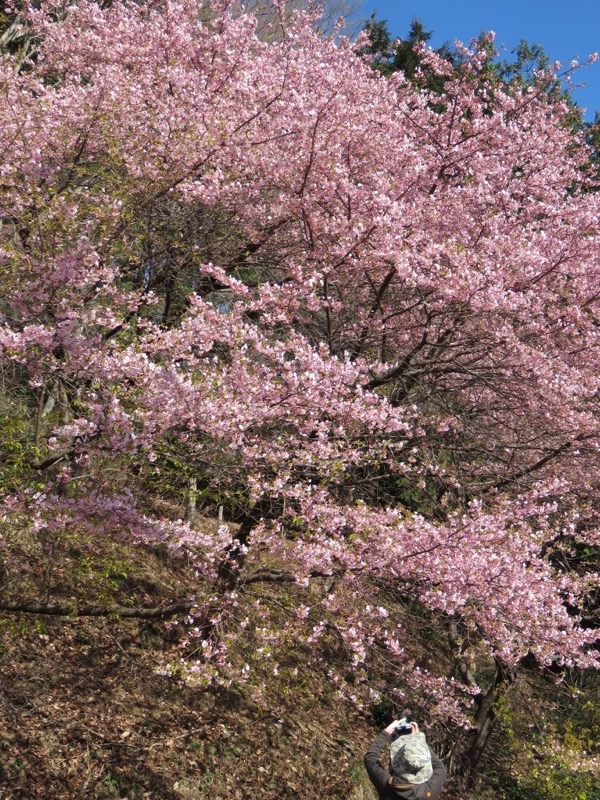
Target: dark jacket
x,y
389,787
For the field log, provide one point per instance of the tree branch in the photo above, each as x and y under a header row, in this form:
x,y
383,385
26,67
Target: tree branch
x,y
72,610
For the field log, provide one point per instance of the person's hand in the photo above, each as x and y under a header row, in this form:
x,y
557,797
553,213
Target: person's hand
x,y
393,725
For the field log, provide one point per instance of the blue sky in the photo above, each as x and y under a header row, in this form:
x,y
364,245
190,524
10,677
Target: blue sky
x,y
566,30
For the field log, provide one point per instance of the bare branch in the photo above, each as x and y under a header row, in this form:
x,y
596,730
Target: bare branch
x,y
72,610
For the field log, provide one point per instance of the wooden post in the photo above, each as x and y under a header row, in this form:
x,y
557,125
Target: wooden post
x,y
191,509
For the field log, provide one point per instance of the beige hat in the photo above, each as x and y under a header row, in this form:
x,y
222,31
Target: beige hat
x,y
411,759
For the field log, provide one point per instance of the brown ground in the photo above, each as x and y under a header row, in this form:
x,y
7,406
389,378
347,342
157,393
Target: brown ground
x,y
84,715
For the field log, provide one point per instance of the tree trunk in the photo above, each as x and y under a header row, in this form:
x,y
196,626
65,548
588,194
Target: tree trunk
x,y
484,725
485,701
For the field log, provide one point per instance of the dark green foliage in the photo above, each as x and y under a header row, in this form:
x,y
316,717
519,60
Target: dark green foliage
x,y
390,56
405,54
529,64
592,135
380,49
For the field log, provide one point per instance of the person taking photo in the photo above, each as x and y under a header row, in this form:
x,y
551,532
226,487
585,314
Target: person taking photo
x,y
414,772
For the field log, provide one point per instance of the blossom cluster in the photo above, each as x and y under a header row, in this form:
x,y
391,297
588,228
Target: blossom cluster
x,y
332,298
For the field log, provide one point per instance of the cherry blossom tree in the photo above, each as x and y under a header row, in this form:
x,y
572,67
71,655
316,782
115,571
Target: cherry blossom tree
x,y
361,317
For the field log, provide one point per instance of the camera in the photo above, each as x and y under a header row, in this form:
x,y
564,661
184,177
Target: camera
x,y
404,727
